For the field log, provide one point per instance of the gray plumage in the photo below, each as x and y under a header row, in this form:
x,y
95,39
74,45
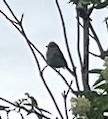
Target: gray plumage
x,y
54,56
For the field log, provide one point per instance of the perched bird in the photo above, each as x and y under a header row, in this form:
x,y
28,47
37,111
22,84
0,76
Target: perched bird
x,y
55,57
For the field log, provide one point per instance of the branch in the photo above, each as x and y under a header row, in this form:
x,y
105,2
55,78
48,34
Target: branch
x,y
78,40
66,41
37,50
96,38
11,21
69,86
34,55
64,31
85,74
50,93
65,94
22,107
65,104
94,54
10,10
89,33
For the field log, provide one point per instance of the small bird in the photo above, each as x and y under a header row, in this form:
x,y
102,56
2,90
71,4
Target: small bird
x,y
55,57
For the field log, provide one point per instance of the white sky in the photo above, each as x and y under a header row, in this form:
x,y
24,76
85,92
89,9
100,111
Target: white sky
x,y
18,71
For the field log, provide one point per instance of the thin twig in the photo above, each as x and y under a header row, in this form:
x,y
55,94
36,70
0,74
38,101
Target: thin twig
x,y
106,22
64,31
41,73
14,24
10,10
65,104
69,88
89,33
96,38
29,44
22,16
94,54
64,80
22,117
37,50
66,41
7,115
21,107
65,94
78,40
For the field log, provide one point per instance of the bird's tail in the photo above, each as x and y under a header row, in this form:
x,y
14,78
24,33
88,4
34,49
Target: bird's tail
x,y
70,71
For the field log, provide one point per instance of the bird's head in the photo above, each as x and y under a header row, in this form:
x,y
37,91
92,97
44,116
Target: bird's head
x,y
52,45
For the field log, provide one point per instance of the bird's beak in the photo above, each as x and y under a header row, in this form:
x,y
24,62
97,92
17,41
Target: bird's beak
x,y
46,46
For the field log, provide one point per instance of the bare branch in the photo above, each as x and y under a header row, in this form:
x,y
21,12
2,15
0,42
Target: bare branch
x,y
96,38
37,50
65,103
31,46
106,22
13,22
67,46
90,10
85,74
10,10
78,40
22,107
65,94
41,73
64,31
22,16
64,80
89,33
94,54
69,88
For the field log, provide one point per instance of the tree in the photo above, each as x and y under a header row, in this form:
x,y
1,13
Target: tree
x,y
88,104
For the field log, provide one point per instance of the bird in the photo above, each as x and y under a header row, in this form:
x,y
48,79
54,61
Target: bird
x,y
55,57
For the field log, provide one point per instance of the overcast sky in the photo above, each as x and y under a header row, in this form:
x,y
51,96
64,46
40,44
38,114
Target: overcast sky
x,y
18,71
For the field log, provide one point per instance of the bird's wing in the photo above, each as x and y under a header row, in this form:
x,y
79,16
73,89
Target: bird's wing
x,y
61,56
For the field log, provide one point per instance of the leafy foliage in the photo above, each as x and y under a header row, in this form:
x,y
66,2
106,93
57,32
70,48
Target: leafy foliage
x,y
99,104
98,3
